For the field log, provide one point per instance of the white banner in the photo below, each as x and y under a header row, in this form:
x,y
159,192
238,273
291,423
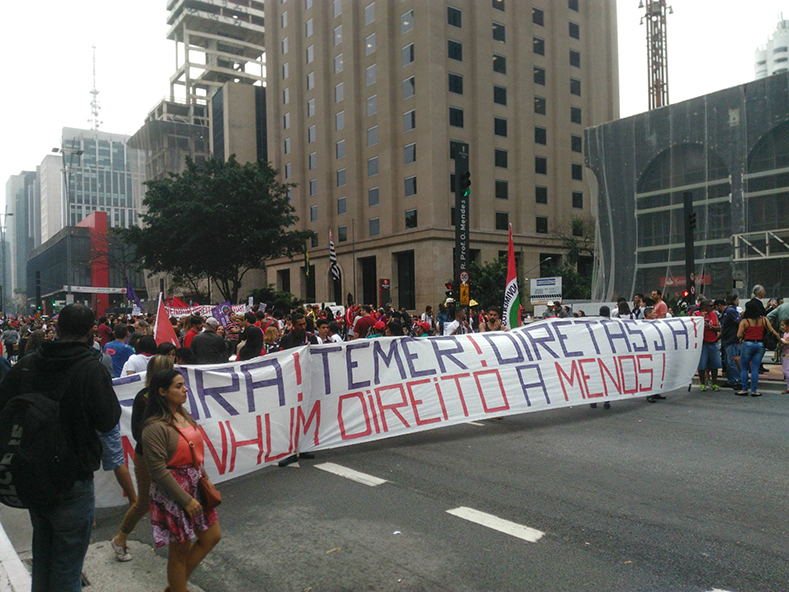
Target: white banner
x,y
203,310
312,398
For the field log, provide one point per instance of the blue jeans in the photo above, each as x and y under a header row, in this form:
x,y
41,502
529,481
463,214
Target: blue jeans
x,y
751,354
61,535
730,352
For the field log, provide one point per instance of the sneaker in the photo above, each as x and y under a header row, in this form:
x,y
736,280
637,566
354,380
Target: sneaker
x,y
593,405
606,405
715,387
651,399
703,387
121,553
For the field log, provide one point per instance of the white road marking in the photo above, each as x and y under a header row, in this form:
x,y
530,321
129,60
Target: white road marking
x,y
489,520
476,423
350,474
718,590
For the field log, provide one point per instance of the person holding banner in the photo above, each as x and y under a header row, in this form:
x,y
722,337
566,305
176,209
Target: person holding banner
x,y
170,439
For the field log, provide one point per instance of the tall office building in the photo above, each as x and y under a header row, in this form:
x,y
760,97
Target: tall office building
x,y
369,100
773,57
99,173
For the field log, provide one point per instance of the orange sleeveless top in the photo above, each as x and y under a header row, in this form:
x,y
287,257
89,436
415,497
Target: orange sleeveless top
x,y
183,455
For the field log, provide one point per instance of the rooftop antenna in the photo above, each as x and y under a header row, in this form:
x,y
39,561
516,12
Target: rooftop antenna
x,y
94,103
657,50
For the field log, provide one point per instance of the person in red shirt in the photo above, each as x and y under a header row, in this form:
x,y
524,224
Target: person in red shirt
x,y
364,323
710,361
197,325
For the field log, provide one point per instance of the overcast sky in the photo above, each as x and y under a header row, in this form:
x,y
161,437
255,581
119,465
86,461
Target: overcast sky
x,y
48,62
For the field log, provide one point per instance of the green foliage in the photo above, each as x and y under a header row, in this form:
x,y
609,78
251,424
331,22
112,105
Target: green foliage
x,y
488,282
577,240
275,300
216,219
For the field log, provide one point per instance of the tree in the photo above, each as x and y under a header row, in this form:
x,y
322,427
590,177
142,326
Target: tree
x,y
275,300
218,220
488,282
577,240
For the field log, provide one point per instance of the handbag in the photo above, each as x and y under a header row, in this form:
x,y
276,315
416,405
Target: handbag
x,y
212,497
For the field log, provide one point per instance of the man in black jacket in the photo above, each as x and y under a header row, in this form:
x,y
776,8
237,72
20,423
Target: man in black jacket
x,y
61,530
208,346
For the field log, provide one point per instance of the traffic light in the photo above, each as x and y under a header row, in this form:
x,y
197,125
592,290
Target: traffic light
x,y
692,220
450,293
465,183
685,293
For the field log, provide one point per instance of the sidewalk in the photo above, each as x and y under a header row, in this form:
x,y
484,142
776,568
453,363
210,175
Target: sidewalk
x,y
771,381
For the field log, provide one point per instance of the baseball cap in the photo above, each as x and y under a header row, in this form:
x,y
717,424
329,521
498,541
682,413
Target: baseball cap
x,y
212,322
379,325
449,301
424,325
550,303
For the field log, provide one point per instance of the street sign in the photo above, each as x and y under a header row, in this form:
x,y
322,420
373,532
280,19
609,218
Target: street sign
x,y
464,300
544,289
464,277
95,290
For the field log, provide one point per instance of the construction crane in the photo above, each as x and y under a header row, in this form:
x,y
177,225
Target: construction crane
x,y
657,50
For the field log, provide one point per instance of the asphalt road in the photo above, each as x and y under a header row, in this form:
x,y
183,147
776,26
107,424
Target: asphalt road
x,y
687,494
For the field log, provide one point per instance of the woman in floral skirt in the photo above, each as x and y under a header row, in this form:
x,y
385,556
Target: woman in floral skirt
x,y
177,514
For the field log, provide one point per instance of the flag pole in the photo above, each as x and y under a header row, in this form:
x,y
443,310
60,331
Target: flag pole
x,y
353,242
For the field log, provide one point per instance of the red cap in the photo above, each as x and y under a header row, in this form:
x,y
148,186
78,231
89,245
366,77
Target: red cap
x,y
379,325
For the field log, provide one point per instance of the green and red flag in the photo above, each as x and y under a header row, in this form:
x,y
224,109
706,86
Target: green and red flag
x,y
512,299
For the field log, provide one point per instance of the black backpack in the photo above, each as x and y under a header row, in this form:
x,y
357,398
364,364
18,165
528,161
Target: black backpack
x,y
36,464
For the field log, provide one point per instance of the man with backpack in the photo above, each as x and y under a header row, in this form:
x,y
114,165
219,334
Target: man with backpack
x,y
52,403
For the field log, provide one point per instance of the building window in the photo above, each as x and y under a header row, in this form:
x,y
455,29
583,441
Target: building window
x,y
539,46
409,87
284,45
454,17
572,5
311,134
410,218
541,194
313,186
540,106
336,8
542,224
310,107
342,234
286,96
286,121
575,114
499,33
455,50
314,240
285,71
407,22
540,165
288,171
577,172
369,44
287,146
576,143
369,75
307,4
456,84
372,166
338,64
575,87
339,92
499,64
575,30
375,226
372,136
500,126
538,17
310,54
283,19
578,227
502,221
341,178
337,34
409,154
540,135
308,27
578,200
340,149
502,189
342,205
313,213
409,120
575,58
372,105
410,186
310,80
539,75
501,158
372,196
339,121
498,4
499,95
408,54
456,117
313,160
369,13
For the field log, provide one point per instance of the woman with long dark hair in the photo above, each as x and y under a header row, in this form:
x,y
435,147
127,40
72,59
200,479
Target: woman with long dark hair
x,y
169,436
751,334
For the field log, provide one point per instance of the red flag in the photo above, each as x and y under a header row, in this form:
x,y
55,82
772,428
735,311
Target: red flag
x,y
163,331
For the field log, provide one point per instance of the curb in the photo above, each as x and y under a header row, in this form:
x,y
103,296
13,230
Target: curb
x,y
14,577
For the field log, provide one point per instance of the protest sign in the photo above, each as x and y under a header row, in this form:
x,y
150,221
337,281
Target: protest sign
x,y
310,398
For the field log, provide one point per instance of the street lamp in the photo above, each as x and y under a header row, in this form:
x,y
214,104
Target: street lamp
x,y
4,288
525,276
66,212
